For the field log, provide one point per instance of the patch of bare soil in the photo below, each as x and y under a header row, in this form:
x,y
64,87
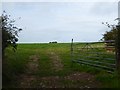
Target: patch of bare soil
x,y
27,79
32,65
56,61
82,80
75,80
50,82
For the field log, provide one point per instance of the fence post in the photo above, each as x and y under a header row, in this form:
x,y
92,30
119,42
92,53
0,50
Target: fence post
x,y
118,45
118,39
72,53
118,54
118,48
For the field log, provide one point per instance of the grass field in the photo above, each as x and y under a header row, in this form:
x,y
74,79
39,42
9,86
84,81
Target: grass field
x,y
49,66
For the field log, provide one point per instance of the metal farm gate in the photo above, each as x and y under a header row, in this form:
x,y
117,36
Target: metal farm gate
x,y
97,54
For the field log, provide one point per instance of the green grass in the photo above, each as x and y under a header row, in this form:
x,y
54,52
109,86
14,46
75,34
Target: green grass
x,y
15,63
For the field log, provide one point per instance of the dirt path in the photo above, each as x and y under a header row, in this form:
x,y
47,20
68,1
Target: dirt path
x,y
28,78
56,61
74,80
82,80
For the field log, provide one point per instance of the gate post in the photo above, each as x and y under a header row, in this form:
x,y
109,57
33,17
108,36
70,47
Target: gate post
x,y
118,54
118,39
118,44
72,53
118,48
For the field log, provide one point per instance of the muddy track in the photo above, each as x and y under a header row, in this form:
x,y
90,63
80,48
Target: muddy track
x,y
28,78
74,80
56,61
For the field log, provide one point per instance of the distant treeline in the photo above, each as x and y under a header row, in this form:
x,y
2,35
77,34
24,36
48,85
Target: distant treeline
x,y
53,42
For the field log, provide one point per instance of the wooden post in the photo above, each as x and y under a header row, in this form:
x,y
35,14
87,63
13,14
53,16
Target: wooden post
x,y
118,54
118,39
0,52
72,49
118,48
72,53
118,45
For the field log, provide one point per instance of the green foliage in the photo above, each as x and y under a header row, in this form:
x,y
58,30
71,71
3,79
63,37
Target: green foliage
x,y
113,33
14,64
110,35
9,31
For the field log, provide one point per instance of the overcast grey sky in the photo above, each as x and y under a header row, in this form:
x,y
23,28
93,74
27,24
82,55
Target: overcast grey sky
x,y
62,21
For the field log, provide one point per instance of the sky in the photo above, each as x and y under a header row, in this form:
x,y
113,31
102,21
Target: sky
x,y
44,22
